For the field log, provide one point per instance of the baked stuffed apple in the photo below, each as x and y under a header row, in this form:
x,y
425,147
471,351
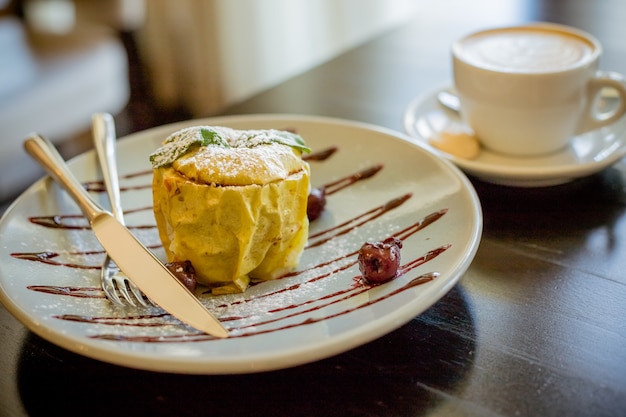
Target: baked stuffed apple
x,y
232,202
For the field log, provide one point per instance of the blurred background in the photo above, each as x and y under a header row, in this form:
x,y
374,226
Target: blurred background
x,y
150,62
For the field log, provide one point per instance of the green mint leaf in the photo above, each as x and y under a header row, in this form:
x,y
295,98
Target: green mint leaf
x,y
184,141
291,139
212,137
170,152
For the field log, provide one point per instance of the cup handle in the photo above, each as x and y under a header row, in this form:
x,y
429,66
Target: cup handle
x,y
593,116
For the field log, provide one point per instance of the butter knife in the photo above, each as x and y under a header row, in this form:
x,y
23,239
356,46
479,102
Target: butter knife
x,y
134,259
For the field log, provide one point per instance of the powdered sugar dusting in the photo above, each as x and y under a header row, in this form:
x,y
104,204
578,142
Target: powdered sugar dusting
x,y
183,141
250,157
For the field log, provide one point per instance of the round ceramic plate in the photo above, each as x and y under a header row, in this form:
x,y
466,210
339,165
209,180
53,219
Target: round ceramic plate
x,y
587,154
379,184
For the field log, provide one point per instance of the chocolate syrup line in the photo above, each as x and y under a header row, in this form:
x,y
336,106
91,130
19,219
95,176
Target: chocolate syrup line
x,y
195,337
321,155
98,185
58,221
79,292
118,321
425,258
172,338
291,287
419,225
47,257
137,174
353,223
344,182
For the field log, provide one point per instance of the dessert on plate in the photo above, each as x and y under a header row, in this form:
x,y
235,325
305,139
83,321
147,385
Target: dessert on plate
x,y
232,202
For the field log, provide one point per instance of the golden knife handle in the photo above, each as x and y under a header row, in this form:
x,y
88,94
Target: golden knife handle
x,y
44,152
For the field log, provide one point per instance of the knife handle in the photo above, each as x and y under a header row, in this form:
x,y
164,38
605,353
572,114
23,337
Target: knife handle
x,y
44,152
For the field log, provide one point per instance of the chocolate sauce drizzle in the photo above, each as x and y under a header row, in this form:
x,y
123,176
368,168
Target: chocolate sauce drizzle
x,y
78,221
402,235
79,292
197,337
347,226
48,257
98,186
321,155
263,316
342,183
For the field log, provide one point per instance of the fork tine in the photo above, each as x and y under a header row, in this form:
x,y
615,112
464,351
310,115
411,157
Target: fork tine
x,y
137,293
122,288
107,284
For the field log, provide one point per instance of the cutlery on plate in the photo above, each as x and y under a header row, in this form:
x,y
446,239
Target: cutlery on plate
x,y
111,278
134,259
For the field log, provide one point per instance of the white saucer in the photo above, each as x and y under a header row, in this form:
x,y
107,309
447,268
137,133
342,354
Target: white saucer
x,y
587,154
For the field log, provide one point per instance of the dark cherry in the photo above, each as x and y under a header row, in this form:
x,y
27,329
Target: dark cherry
x,y
379,261
185,273
316,203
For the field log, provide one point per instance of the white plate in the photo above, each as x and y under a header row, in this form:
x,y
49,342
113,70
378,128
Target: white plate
x,y
273,325
587,154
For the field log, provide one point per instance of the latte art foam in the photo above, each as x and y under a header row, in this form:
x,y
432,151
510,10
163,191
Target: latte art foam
x,y
524,50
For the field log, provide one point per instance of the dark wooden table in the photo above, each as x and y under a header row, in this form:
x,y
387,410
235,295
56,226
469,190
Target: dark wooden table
x,y
536,327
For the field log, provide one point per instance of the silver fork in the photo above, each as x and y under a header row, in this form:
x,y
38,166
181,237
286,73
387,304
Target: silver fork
x,y
112,279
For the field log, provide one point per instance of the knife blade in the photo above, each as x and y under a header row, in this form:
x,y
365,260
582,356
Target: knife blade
x,y
130,255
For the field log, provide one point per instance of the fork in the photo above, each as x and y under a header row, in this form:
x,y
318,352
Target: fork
x,y
113,282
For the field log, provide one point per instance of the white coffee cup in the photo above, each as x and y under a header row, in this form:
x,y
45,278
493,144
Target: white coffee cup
x,y
527,90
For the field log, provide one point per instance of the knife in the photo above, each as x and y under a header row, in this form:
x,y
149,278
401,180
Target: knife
x,y
134,259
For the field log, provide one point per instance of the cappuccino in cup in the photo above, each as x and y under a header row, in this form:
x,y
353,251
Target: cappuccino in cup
x,y
519,50
528,90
